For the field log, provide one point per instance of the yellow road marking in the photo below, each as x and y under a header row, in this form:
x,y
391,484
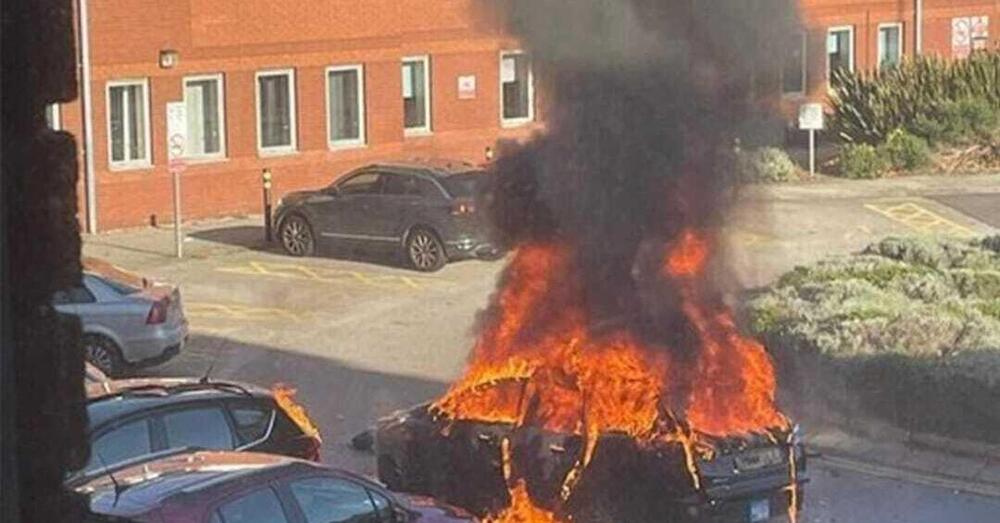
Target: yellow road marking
x,y
238,312
921,219
330,276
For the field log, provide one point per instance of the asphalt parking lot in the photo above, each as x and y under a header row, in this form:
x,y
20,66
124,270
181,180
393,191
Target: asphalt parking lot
x,y
361,338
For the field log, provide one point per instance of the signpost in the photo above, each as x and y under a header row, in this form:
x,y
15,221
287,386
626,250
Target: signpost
x,y
811,119
176,140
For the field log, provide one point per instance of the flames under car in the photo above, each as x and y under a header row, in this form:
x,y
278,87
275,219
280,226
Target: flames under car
x,y
747,478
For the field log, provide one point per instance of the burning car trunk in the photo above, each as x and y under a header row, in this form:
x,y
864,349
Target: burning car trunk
x,y
481,466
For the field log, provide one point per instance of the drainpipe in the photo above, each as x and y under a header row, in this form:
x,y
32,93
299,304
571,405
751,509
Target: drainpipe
x,y
88,121
918,27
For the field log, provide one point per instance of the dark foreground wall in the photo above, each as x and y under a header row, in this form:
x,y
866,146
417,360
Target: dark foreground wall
x,y
42,364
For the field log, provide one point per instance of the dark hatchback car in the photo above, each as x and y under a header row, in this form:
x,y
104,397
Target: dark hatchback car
x,y
430,212
132,418
247,487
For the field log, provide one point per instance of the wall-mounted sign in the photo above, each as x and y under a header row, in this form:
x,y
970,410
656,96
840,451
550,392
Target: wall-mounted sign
x,y
466,87
811,117
970,33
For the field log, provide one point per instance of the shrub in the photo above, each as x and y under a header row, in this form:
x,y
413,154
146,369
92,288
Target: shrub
x,y
907,330
858,161
916,96
765,165
905,151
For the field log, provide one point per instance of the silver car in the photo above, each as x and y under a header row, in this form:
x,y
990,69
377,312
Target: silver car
x,y
124,324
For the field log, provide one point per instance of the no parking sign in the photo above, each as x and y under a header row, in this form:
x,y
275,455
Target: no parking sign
x,y
176,143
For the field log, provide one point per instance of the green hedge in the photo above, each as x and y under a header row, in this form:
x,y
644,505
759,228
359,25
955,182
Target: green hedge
x,y
908,330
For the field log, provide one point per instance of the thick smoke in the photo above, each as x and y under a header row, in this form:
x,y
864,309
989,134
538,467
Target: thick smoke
x,y
641,99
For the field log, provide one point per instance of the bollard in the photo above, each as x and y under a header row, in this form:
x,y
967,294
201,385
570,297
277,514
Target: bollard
x,y
266,180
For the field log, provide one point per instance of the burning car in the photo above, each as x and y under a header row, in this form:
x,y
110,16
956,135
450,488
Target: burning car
x,y
661,477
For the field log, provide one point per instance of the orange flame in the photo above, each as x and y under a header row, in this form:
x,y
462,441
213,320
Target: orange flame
x,y
536,363
284,396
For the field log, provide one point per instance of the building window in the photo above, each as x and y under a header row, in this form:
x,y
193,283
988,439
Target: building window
x,y
793,71
276,111
890,45
128,123
53,117
516,89
839,50
345,102
416,95
204,97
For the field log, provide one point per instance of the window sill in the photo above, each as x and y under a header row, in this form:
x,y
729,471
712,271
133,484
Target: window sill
x,y
346,146
416,133
516,122
202,160
276,153
137,166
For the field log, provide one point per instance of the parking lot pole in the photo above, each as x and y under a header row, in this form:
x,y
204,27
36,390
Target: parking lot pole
x,y
266,180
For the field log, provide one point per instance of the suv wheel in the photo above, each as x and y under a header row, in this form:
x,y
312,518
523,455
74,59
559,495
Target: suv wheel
x,y
103,354
297,236
425,251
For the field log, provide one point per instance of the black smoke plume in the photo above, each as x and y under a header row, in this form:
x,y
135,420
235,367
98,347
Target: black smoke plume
x,y
641,101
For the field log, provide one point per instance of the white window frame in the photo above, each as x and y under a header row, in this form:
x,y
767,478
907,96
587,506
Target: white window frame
x,y
292,107
902,42
129,164
56,124
805,68
514,122
854,51
221,90
427,128
362,116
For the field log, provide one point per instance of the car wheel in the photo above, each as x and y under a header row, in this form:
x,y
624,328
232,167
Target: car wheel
x,y
425,251
102,353
297,236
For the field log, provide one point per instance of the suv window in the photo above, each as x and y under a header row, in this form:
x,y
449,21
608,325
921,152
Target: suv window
x,y
400,185
364,183
204,427
333,500
73,296
261,506
119,444
251,420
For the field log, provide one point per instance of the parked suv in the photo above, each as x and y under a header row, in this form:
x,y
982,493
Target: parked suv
x,y
132,418
428,211
247,487
128,321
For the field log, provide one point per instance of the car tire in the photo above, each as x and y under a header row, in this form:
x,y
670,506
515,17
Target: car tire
x,y
296,236
424,250
103,353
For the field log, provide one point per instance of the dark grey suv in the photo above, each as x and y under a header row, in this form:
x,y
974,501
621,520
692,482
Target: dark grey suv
x,y
428,211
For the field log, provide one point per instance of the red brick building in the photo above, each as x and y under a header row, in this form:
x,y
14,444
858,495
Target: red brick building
x,y
313,88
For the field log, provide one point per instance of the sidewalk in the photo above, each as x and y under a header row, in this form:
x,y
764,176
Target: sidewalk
x,y
826,187
885,451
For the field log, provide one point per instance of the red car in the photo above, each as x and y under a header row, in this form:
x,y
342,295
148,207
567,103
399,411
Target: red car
x,y
247,487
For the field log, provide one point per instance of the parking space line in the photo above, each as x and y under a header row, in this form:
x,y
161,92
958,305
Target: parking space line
x,y
239,312
921,219
330,276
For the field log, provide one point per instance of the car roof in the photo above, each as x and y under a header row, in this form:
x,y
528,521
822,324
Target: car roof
x,y
113,399
437,167
196,479
199,478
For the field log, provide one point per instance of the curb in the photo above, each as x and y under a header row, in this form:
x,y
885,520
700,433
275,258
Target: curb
x,y
899,473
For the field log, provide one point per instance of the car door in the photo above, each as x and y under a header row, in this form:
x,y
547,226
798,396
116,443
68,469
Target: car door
x,y
400,205
342,215
331,499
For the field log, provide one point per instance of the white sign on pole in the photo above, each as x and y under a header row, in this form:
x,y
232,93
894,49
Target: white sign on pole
x,y
811,117
176,143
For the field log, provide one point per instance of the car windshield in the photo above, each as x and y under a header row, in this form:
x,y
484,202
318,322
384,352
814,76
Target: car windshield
x,y
464,185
